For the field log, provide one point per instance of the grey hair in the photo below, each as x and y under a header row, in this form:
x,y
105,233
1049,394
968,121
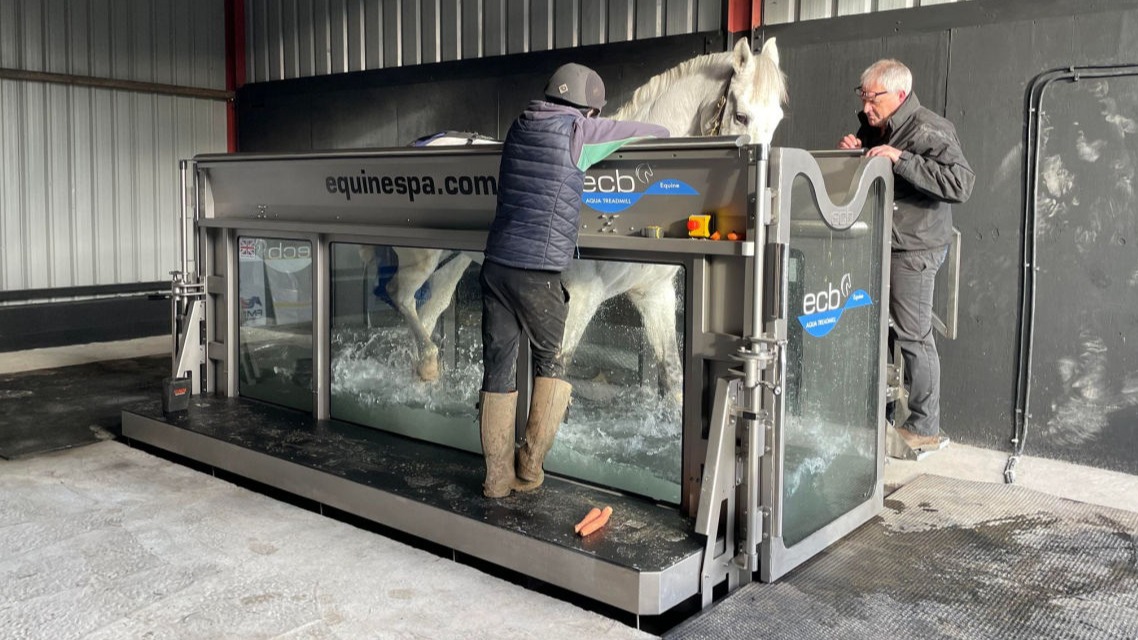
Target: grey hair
x,y
892,74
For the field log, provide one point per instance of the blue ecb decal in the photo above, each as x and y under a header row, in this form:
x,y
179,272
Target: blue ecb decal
x,y
823,310
613,194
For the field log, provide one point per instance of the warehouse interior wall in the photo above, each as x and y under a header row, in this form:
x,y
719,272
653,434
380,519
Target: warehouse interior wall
x,y
98,104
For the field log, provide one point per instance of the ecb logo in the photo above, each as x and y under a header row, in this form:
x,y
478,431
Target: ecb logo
x,y
614,191
821,310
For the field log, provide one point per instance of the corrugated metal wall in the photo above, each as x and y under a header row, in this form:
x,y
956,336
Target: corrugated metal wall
x,y
88,180
785,11
302,38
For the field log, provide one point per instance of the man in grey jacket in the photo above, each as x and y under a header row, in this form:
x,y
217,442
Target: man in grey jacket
x,y
532,240
930,174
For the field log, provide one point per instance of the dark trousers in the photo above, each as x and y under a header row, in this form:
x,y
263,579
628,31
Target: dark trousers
x,y
912,277
517,302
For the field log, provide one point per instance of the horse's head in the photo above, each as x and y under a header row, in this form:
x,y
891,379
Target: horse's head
x,y
756,93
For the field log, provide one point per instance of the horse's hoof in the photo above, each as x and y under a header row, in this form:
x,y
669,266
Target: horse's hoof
x,y
428,370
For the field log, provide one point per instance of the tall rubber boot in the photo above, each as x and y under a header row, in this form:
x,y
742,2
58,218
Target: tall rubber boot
x,y
497,425
547,410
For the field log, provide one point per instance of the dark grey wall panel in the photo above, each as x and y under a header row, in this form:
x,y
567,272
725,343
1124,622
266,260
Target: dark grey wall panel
x,y
1071,401
974,62
991,69
822,78
38,326
1084,399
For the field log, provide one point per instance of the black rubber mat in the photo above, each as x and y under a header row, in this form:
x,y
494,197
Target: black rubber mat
x,y
641,535
953,559
50,409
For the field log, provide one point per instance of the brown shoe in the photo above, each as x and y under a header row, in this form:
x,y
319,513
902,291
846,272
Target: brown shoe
x,y
916,441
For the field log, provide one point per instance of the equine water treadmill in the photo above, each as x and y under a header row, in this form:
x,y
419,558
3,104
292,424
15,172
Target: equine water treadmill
x,y
728,393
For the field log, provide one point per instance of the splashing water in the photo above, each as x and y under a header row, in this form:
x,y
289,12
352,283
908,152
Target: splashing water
x,y
619,432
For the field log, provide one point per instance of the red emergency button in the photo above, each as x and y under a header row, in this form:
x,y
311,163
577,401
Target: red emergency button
x,y
699,225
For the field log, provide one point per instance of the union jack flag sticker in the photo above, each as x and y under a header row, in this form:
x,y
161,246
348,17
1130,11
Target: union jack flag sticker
x,y
247,249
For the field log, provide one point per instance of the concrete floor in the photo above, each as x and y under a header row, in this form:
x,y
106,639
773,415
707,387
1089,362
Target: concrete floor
x,y
106,541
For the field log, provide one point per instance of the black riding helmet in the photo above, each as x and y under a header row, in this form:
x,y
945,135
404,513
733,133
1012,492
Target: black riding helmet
x,y
576,85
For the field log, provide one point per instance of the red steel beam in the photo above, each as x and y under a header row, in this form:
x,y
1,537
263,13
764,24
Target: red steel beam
x,y
744,15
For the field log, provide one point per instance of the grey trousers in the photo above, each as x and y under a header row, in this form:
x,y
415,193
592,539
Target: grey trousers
x,y
912,277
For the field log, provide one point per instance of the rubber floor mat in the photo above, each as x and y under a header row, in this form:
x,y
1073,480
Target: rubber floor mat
x,y
51,409
953,559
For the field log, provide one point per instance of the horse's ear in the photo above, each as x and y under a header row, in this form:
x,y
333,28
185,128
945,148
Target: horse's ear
x,y
770,50
742,55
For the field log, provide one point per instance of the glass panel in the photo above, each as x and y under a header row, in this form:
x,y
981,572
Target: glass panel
x,y
275,321
377,374
623,428
830,430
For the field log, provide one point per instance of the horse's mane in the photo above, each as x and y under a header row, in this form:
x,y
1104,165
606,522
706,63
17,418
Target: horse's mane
x,y
648,93
769,80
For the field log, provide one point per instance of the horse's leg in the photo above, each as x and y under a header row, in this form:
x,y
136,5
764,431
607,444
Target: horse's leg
x,y
657,305
444,281
415,266
585,297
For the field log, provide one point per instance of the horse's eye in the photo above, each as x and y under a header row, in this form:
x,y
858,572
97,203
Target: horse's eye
x,y
741,118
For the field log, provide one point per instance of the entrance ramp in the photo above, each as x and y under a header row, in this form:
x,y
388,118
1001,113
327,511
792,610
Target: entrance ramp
x,y
952,559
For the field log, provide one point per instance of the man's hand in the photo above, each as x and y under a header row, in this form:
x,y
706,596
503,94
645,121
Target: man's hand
x,y
885,151
850,142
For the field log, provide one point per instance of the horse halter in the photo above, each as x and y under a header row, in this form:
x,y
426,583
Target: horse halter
x,y
714,124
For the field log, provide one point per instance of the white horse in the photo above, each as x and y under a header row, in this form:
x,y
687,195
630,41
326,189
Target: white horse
x,y
733,93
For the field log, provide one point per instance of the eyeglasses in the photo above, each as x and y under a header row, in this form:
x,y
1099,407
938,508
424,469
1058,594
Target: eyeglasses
x,y
869,96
